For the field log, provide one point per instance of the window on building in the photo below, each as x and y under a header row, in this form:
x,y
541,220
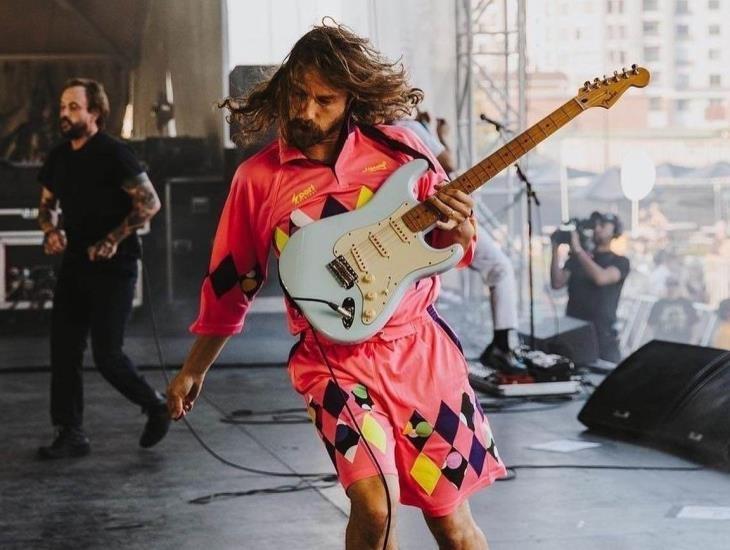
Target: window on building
x,y
682,56
713,53
651,53
682,32
715,80
655,103
682,105
651,28
714,30
713,4
651,5
681,81
681,7
615,6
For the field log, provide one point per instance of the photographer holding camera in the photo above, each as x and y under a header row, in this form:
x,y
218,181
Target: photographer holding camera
x,y
594,278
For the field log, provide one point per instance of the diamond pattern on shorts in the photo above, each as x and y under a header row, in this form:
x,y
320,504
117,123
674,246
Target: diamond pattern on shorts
x,y
346,440
362,397
330,451
447,423
492,450
314,410
467,411
454,467
373,432
224,277
477,455
425,473
334,399
418,430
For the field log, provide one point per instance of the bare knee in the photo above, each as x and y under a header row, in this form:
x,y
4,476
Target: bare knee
x,y
370,516
457,531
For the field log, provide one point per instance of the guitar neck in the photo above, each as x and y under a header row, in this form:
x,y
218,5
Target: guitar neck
x,y
423,216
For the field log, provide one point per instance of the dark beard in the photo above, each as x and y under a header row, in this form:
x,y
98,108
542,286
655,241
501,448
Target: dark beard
x,y
73,131
304,134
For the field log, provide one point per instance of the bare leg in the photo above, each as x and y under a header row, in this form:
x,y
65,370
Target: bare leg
x,y
369,514
457,531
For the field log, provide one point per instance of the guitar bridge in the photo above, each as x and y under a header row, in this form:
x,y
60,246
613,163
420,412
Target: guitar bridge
x,y
342,272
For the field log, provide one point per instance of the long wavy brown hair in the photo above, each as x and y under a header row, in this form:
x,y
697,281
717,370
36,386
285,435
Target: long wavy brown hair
x,y
378,90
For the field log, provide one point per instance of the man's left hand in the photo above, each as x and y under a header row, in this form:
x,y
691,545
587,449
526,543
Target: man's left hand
x,y
575,244
102,250
456,209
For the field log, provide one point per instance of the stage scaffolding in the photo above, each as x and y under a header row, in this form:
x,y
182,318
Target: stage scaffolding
x,y
491,80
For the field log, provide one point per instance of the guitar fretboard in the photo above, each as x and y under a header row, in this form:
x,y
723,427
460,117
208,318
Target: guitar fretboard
x,y
422,216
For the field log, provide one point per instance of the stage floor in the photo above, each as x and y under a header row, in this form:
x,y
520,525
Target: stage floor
x,y
121,496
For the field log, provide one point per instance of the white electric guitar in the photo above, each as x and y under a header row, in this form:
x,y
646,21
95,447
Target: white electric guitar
x,y
347,273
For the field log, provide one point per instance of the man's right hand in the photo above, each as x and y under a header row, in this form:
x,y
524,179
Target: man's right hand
x,y
54,241
182,393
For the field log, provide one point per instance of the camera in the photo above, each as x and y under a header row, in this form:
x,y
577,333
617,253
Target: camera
x,y
584,227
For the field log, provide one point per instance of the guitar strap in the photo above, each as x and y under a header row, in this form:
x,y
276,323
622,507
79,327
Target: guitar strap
x,y
381,137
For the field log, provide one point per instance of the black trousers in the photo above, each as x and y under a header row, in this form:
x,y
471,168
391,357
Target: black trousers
x,y
608,344
93,298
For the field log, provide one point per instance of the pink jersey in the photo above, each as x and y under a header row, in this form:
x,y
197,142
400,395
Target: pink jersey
x,y
279,190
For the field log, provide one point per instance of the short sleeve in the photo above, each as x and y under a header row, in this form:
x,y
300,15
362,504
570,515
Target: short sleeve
x,y
128,164
624,266
238,262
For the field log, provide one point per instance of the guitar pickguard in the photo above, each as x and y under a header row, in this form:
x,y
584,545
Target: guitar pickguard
x,y
383,255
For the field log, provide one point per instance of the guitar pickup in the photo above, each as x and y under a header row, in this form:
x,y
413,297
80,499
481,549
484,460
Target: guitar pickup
x,y
378,245
400,230
342,271
359,260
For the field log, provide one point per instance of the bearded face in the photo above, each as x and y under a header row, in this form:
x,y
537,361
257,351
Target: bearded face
x,y
75,120
304,134
72,130
317,111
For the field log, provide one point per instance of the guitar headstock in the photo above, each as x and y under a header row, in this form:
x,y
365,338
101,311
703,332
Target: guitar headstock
x,y
606,91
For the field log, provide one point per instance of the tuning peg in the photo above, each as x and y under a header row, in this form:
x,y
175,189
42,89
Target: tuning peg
x,y
596,82
615,76
604,81
586,85
623,72
635,68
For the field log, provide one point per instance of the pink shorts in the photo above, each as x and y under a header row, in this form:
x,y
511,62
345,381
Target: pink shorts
x,y
411,398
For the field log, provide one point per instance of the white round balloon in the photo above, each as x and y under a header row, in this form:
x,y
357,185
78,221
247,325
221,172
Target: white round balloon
x,y
638,175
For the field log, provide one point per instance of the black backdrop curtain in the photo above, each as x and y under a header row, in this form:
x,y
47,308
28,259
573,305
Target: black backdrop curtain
x,y
29,95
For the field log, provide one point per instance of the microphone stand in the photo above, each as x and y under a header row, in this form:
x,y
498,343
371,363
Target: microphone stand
x,y
531,196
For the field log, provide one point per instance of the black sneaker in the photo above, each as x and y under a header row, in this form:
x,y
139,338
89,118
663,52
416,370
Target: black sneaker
x,y
69,442
158,422
507,362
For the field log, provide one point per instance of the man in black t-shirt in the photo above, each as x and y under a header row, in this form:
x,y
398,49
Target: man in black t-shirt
x,y
104,195
673,318
594,281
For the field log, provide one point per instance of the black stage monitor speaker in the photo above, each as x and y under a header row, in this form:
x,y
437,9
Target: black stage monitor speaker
x,y
673,394
567,336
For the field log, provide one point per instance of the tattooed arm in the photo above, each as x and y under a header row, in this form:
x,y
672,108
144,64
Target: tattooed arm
x,y
54,239
145,204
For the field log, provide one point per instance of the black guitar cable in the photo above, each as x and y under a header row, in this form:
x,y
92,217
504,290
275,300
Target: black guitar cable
x,y
362,438
312,477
